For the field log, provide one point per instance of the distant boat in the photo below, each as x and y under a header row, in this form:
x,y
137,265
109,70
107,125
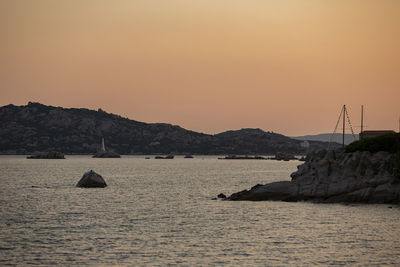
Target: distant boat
x,y
103,153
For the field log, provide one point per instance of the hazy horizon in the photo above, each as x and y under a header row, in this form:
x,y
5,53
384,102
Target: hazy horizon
x,y
208,66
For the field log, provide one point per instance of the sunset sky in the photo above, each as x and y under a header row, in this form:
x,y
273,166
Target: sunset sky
x,y
207,65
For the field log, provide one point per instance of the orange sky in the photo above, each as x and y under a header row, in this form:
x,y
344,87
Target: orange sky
x,y
209,65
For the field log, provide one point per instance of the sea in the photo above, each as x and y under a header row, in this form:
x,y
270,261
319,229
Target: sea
x,y
165,212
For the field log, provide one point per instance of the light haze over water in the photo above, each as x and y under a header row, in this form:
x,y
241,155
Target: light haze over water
x,y
159,212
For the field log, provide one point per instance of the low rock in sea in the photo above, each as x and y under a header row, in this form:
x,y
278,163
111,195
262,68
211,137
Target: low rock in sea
x,y
91,179
106,154
221,195
47,155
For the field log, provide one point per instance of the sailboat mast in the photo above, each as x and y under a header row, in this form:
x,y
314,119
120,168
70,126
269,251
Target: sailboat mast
x,y
344,123
362,118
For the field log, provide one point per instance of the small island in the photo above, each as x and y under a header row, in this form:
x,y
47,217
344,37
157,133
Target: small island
x,y
47,155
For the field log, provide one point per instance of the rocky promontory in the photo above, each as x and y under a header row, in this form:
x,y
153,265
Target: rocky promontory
x,y
334,177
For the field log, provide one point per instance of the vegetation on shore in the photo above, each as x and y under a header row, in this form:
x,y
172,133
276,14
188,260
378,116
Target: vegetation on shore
x,y
388,142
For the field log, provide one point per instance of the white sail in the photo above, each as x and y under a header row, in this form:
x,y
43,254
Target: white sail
x,y
103,147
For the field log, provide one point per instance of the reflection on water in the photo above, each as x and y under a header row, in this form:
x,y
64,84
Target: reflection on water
x,y
160,212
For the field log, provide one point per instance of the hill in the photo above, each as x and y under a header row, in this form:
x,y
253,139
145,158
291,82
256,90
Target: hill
x,y
37,127
326,137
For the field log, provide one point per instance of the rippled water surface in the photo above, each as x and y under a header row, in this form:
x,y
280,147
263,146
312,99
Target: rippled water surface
x,y
160,212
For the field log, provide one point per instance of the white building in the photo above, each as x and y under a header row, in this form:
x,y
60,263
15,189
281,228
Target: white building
x,y
305,144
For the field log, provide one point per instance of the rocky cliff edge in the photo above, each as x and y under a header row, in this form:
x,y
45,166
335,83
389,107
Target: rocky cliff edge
x,y
335,176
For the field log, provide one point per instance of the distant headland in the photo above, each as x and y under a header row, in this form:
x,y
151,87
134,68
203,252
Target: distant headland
x,y
36,127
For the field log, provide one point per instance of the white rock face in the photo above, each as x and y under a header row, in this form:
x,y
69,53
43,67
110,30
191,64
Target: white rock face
x,y
334,176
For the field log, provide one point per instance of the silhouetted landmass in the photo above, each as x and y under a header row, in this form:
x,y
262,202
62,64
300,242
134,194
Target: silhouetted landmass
x,y
326,137
36,127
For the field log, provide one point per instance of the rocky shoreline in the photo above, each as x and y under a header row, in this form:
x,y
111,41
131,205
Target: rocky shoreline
x,y
334,177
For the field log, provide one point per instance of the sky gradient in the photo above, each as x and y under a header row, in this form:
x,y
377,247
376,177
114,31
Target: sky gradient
x,y
210,65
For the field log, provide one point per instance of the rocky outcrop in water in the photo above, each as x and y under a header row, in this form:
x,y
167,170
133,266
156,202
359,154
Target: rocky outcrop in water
x,y
91,179
334,176
106,154
47,155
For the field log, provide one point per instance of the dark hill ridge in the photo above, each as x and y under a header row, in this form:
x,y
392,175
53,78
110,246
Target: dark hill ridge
x,y
37,127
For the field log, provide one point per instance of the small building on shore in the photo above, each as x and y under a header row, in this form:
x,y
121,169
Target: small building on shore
x,y
305,144
374,133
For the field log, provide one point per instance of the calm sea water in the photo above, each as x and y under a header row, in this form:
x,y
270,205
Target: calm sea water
x,y
161,212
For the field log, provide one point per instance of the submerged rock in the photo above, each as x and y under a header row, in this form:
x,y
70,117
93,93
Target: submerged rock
x,y
47,155
334,176
91,179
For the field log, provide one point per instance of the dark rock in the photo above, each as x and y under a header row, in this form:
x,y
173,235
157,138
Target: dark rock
x,y
106,154
285,191
91,179
47,155
221,195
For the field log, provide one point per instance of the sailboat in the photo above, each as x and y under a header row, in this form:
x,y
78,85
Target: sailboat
x,y
103,153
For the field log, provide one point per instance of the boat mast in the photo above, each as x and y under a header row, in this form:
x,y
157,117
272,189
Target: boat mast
x,y
362,118
344,122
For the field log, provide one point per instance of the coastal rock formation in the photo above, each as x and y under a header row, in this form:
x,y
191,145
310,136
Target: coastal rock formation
x,y
334,176
47,155
91,179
